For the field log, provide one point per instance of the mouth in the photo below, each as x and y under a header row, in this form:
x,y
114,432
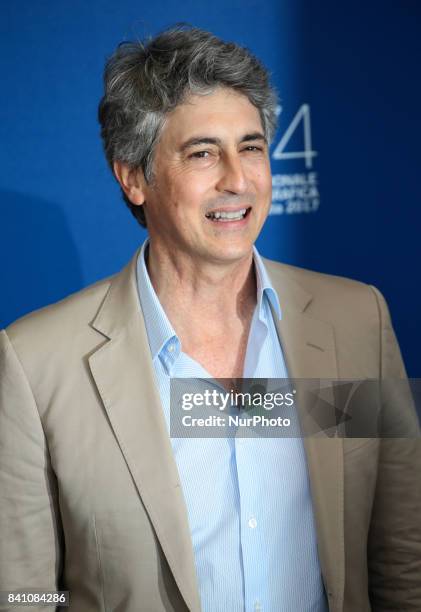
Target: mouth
x,y
227,216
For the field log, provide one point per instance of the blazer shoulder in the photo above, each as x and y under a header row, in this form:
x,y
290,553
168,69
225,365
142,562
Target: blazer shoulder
x,y
312,280
61,320
331,297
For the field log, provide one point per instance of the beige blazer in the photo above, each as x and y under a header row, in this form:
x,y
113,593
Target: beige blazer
x,y
90,495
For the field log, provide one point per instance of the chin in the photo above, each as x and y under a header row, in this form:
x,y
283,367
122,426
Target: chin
x,y
232,253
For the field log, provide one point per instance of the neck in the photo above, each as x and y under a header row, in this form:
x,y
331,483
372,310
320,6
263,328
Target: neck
x,y
202,290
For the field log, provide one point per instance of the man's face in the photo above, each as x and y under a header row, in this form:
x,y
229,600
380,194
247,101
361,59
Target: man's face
x,y
211,190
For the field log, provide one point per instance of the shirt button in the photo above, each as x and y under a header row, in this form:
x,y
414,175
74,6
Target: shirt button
x,y
257,606
171,347
252,522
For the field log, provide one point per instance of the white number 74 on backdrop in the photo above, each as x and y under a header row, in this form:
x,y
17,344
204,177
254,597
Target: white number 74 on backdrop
x,y
303,115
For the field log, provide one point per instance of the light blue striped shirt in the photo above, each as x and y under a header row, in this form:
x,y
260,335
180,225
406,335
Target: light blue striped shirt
x,y
248,499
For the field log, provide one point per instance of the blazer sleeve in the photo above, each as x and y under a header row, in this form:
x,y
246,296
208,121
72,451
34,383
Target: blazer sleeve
x,y
394,544
30,533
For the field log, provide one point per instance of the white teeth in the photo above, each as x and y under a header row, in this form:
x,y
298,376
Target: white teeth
x,y
237,215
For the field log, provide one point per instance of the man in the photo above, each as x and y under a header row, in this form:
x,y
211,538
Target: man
x,y
97,498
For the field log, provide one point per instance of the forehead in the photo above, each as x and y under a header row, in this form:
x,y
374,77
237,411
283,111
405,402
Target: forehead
x,y
224,113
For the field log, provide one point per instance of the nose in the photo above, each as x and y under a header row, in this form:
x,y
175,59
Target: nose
x,y
232,178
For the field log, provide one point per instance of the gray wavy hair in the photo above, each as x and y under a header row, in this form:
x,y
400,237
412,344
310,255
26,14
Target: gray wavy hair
x,y
144,81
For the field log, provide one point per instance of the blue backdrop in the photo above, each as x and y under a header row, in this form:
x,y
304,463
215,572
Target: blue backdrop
x,y
346,161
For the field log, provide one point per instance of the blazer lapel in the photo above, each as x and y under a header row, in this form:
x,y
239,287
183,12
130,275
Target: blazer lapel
x,y
309,350
123,372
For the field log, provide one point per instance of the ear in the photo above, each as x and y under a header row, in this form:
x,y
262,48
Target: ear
x,y
132,182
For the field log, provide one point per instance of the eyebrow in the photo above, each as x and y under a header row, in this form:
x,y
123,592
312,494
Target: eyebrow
x,y
202,140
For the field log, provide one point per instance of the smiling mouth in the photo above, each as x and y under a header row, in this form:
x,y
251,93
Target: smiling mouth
x,y
222,216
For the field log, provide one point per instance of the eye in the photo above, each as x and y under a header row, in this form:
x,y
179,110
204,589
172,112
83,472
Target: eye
x,y
253,148
199,155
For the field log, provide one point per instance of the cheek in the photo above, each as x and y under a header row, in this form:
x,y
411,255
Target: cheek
x,y
188,193
260,175
264,183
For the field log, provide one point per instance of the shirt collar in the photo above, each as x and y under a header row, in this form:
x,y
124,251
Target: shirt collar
x,y
161,334
163,340
264,286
